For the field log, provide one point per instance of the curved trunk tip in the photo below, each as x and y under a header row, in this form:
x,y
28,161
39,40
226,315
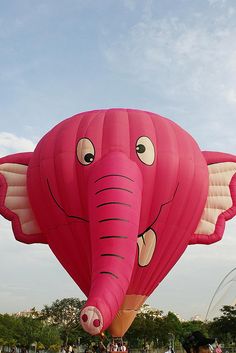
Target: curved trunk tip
x,y
91,320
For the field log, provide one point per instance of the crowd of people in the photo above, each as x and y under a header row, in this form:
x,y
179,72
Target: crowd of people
x,y
112,346
116,347
67,349
196,342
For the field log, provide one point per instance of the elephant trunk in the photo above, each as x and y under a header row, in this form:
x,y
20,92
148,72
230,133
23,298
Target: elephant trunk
x,y
115,187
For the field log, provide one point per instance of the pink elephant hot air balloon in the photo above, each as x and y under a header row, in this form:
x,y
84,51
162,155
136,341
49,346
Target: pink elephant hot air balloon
x,y
118,195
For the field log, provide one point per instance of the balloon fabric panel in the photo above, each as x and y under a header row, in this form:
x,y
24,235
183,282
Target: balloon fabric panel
x,y
178,186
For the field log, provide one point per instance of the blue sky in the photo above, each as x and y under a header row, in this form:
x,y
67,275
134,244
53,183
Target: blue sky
x,y
58,58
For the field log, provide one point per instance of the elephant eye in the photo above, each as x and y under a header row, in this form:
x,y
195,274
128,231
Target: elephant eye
x,y
145,150
85,151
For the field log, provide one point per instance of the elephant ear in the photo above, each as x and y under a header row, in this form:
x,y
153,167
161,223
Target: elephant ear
x,y
221,201
14,200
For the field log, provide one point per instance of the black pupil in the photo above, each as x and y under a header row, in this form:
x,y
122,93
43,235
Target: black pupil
x,y
140,148
89,157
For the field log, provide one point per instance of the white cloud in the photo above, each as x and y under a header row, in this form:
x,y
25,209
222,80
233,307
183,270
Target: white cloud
x,y
178,55
187,65
130,4
217,2
231,96
10,143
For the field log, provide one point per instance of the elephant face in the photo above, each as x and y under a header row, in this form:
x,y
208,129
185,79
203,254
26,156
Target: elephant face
x,y
110,183
117,195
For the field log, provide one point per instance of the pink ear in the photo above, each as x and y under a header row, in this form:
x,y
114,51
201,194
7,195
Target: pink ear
x,y
14,200
221,201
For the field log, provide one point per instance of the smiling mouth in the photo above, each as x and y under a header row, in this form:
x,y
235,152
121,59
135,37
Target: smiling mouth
x,y
147,240
61,208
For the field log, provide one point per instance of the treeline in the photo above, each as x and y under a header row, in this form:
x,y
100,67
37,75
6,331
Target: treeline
x,y
160,330
58,324
24,332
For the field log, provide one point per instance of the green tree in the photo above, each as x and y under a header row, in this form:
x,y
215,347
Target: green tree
x,y
224,327
193,325
8,324
65,314
27,331
153,328
48,335
144,330
169,329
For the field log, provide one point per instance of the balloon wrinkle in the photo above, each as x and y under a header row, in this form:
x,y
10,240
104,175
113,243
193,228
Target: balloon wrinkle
x,y
114,236
114,188
114,175
113,219
116,255
114,203
109,273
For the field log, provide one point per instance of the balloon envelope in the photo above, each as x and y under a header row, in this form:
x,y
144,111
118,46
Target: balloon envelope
x,y
117,195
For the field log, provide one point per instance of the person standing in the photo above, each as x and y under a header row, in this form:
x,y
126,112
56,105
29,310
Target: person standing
x,y
218,348
196,342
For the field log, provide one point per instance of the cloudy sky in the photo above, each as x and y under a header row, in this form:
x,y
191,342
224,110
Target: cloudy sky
x,y
61,57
